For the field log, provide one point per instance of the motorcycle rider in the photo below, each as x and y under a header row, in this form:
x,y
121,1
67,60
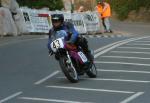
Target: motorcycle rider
x,y
72,36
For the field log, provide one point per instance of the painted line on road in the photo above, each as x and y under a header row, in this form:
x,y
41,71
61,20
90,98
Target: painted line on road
x,y
129,99
51,100
105,47
130,52
124,71
134,48
109,45
46,78
142,41
118,80
125,63
114,80
10,97
90,89
139,44
125,57
117,44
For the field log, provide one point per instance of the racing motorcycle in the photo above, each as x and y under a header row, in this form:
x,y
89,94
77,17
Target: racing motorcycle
x,y
72,60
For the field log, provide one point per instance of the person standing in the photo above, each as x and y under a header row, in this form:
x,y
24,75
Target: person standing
x,y
81,9
106,14
99,10
104,11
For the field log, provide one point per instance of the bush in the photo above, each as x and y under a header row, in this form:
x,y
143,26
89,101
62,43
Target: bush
x,y
51,4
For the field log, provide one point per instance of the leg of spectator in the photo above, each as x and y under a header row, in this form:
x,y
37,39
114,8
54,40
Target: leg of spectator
x,y
102,28
107,24
104,25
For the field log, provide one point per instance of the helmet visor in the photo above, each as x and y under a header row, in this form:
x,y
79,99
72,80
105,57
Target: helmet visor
x,y
55,21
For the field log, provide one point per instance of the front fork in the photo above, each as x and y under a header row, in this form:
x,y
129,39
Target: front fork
x,y
69,61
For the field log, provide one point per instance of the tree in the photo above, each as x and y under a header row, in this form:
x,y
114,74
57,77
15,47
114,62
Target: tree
x,y
51,4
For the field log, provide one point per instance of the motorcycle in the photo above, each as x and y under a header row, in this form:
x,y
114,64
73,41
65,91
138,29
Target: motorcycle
x,y
72,60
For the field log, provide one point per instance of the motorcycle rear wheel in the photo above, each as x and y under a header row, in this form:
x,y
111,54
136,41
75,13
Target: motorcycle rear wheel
x,y
92,72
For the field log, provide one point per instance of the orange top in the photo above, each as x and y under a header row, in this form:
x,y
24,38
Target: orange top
x,y
99,8
106,10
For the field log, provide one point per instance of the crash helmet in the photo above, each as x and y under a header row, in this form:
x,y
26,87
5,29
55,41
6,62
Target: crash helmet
x,y
57,18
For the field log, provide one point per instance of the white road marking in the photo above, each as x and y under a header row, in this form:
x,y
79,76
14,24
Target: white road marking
x,y
124,57
142,41
125,71
105,47
118,44
139,44
130,52
114,80
125,63
46,78
134,48
90,89
10,97
110,45
132,97
51,100
119,80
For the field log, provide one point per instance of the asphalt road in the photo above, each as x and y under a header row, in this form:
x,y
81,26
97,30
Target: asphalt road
x,y
28,75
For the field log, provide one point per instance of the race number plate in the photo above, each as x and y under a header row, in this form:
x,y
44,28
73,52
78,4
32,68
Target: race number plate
x,y
82,56
56,44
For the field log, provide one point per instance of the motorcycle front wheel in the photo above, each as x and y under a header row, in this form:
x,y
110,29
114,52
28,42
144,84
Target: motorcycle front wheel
x,y
69,71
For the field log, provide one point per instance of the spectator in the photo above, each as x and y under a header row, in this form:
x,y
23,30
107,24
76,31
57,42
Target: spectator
x,y
81,9
104,9
106,14
99,10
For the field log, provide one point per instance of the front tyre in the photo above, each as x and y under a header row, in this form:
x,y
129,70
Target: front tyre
x,y
68,70
92,72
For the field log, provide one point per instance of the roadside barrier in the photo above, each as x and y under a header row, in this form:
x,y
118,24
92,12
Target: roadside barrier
x,y
39,21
